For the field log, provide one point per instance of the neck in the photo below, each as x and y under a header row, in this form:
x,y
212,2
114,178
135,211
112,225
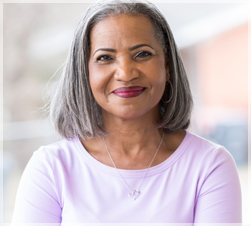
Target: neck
x,y
131,137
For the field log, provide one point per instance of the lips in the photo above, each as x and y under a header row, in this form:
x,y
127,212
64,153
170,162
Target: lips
x,y
128,92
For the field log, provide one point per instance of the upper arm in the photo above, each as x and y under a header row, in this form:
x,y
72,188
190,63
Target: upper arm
x,y
219,198
37,200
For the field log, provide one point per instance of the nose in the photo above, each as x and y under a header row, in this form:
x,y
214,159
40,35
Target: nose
x,y
126,70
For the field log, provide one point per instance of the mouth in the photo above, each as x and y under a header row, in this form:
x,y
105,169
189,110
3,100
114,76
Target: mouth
x,y
129,92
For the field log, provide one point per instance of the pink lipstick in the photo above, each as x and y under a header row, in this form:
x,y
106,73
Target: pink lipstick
x,y
128,92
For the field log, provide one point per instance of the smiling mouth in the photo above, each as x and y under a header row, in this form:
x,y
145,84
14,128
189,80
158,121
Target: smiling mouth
x,y
128,92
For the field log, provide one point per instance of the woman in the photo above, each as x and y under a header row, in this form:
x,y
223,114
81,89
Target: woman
x,y
123,104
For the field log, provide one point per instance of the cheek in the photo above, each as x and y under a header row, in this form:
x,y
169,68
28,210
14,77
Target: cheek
x,y
98,80
93,78
157,74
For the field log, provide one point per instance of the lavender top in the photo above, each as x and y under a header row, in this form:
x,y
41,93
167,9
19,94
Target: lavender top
x,y
63,183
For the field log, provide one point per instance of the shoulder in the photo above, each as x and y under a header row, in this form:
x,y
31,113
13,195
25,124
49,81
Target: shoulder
x,y
210,159
63,152
203,147
208,164
202,157
216,182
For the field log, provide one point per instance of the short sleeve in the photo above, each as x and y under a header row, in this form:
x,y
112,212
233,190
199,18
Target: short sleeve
x,y
219,198
37,199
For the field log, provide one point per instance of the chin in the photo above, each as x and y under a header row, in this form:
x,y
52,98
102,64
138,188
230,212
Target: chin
x,y
134,114
129,115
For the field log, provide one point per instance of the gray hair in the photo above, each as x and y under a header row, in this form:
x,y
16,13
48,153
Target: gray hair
x,y
73,108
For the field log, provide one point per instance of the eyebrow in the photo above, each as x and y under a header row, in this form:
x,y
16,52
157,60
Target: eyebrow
x,y
114,50
105,49
140,45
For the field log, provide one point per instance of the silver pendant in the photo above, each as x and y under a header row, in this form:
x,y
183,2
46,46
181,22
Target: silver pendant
x,y
133,195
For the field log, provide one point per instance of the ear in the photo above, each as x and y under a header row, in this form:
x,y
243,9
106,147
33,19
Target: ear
x,y
167,71
167,77
167,74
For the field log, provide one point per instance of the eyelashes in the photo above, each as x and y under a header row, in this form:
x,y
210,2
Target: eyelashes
x,y
143,54
104,58
107,58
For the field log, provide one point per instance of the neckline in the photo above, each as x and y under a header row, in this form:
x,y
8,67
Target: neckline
x,y
134,173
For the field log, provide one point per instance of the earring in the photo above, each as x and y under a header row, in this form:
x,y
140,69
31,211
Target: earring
x,y
166,102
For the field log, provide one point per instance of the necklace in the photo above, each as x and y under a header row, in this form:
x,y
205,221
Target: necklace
x,y
135,192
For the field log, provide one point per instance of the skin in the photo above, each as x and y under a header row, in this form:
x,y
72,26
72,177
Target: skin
x,y
124,52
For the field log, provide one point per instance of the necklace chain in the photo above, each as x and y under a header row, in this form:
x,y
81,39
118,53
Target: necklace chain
x,y
137,190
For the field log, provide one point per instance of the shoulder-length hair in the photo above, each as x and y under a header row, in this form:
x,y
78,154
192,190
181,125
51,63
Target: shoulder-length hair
x,y
73,108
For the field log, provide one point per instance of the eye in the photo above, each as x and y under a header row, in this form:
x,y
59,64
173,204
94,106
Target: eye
x,y
143,54
104,58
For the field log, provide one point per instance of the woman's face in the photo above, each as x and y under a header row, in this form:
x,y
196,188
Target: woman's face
x,y
127,68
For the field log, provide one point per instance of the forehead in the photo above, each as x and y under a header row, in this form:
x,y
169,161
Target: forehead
x,y
123,29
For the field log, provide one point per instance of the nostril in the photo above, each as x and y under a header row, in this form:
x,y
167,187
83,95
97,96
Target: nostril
x,y
127,74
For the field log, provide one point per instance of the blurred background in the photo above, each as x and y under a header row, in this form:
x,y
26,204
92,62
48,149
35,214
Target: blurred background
x,y
213,42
